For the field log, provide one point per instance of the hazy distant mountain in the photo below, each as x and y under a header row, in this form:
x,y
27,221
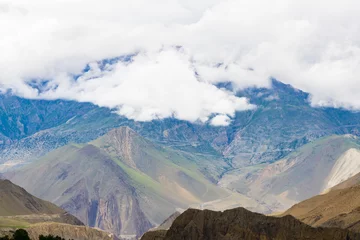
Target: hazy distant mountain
x,y
306,172
282,122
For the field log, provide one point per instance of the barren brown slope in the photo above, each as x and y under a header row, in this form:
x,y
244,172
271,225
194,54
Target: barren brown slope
x,y
240,223
14,200
68,232
16,204
337,208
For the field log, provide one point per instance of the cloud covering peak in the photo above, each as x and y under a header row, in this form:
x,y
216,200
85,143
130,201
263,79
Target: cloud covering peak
x,y
179,50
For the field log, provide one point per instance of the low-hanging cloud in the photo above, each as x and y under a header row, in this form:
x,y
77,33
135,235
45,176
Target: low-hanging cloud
x,y
180,49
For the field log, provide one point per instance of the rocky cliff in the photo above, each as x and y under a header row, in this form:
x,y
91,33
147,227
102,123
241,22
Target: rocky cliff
x,y
240,223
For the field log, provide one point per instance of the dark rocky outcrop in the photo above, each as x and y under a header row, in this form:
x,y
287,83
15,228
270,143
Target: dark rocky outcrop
x,y
240,223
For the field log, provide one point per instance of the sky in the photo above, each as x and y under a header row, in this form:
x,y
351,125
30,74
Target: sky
x,y
177,51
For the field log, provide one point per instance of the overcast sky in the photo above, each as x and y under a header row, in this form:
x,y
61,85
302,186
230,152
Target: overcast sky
x,y
177,46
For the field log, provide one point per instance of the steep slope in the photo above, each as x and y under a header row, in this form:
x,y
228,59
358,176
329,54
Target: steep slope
x,y
307,172
18,206
122,182
340,207
88,184
240,223
19,209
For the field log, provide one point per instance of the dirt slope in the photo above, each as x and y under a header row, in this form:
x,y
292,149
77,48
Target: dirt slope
x,y
17,205
337,208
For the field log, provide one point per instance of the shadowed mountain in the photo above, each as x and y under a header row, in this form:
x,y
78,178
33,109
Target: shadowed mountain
x,y
122,182
240,223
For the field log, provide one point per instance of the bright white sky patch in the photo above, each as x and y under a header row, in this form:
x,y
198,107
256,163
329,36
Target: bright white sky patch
x,y
315,46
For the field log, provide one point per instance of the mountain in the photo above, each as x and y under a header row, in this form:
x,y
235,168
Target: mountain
x,y
124,183
282,122
18,206
339,207
23,117
19,209
271,147
306,172
240,223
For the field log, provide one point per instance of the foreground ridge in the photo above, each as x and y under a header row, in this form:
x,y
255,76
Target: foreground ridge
x,y
240,223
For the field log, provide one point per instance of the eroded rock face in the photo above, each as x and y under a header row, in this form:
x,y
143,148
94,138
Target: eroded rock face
x,y
240,223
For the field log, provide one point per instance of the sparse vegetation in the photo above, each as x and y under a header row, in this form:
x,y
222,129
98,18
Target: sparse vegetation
x,y
50,237
19,234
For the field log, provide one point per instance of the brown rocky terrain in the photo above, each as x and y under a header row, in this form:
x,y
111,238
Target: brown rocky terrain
x,y
339,207
17,205
19,209
240,223
68,232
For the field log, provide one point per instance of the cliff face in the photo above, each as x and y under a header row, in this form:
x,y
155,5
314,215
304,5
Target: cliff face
x,y
240,223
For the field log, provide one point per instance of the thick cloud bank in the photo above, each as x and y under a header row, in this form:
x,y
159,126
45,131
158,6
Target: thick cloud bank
x,y
178,50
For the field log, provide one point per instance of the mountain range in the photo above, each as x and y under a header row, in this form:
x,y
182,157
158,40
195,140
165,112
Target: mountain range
x,y
332,215
126,177
283,121
124,183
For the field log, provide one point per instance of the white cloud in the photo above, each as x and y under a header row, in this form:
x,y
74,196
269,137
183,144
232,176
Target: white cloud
x,y
156,85
315,46
220,120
